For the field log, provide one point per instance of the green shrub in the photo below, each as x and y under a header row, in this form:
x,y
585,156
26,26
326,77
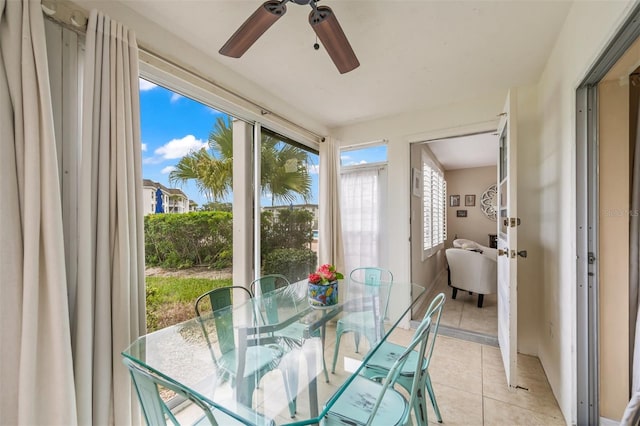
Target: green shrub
x,y
287,229
295,264
188,239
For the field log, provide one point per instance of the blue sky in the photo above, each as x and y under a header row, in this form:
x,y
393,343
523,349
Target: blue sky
x,y
173,125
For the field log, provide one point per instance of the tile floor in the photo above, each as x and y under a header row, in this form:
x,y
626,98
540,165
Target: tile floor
x,y
468,379
463,312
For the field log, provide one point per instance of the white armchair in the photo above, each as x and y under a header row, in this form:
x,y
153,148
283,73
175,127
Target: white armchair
x,y
472,271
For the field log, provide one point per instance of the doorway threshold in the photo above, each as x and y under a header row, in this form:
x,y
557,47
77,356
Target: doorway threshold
x,y
471,336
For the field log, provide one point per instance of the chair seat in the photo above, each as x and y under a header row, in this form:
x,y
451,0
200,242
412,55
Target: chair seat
x,y
257,359
383,359
357,402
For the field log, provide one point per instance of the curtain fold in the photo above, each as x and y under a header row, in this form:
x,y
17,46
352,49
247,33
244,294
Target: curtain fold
x,y
360,198
330,241
35,353
109,308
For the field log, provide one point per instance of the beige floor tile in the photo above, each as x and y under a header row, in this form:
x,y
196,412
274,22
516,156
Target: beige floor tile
x,y
458,407
457,364
500,413
462,312
481,320
533,392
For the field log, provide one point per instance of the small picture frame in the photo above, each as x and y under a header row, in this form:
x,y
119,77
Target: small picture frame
x,y
469,200
415,182
454,200
461,213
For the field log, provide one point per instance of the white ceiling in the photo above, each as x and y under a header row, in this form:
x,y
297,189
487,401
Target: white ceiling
x,y
465,152
414,54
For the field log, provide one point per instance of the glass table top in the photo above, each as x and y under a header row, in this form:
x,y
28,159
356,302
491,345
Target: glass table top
x,y
255,357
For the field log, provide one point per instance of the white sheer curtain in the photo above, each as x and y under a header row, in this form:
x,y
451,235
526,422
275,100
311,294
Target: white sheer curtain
x,y
36,369
361,209
109,301
330,238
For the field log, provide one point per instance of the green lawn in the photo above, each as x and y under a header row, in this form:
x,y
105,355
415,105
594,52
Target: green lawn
x,y
170,299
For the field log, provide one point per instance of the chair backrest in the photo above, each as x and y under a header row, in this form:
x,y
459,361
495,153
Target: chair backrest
x,y
472,271
420,341
268,283
154,408
434,312
217,300
373,277
265,285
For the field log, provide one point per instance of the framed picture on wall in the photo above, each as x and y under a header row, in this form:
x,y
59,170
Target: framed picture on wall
x,y
415,182
470,200
461,213
454,200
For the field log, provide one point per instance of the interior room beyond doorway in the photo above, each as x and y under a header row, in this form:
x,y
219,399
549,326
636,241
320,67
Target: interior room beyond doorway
x,y
469,166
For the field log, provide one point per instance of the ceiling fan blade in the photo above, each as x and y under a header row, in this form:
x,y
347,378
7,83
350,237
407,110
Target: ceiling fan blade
x,y
325,24
251,30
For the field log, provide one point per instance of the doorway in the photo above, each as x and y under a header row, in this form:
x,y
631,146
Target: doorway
x,y
469,167
604,138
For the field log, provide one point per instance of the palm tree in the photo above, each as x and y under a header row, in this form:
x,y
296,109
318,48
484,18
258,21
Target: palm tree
x,y
284,173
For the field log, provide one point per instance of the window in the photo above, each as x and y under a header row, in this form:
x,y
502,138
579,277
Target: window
x,y
433,207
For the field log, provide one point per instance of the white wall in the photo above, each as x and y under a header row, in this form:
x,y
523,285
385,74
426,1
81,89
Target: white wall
x,y
587,30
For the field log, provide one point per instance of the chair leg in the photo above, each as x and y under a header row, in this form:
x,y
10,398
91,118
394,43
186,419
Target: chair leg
x,y
432,397
337,348
323,332
290,375
454,293
480,300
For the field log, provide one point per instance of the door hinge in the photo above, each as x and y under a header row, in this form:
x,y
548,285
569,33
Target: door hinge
x,y
514,221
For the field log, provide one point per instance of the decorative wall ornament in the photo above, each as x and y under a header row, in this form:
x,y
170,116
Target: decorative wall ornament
x,y
489,202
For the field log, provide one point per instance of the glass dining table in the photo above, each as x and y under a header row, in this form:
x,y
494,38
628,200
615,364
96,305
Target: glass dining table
x,y
257,356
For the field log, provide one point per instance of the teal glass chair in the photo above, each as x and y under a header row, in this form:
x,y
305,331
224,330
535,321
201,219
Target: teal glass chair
x,y
261,359
382,361
360,322
156,412
292,337
375,401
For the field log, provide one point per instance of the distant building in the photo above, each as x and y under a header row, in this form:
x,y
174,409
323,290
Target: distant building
x,y
173,200
312,208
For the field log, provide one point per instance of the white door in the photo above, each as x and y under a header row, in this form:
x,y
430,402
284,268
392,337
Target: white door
x,y
508,239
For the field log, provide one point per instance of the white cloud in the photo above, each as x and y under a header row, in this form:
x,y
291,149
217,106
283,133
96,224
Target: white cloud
x,y
144,147
178,148
355,163
175,97
167,170
313,169
345,157
146,85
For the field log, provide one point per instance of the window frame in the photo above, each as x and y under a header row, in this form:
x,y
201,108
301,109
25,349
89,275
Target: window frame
x,y
434,186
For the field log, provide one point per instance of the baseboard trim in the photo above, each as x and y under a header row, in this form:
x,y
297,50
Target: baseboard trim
x,y
456,333
608,422
422,306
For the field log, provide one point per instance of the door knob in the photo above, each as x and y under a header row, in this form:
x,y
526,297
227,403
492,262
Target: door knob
x,y
503,252
522,253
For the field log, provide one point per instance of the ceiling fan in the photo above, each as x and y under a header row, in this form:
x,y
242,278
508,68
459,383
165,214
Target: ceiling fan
x,y
322,20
